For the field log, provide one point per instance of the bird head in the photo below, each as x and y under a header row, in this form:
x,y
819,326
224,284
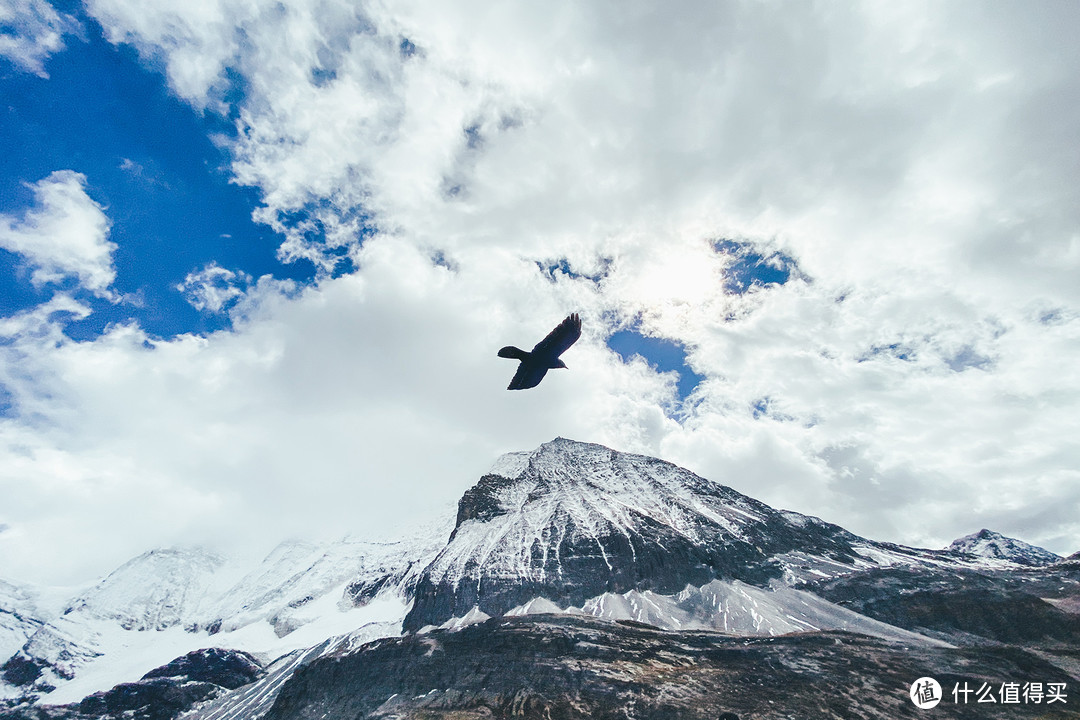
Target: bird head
x,y
561,365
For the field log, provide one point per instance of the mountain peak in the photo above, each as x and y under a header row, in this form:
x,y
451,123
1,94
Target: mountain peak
x,y
586,483
510,465
990,544
571,520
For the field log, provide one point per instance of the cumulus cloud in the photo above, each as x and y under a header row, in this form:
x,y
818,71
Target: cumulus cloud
x,y
914,381
64,236
31,31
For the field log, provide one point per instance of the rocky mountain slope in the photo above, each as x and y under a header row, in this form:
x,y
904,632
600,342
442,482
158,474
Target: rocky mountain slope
x,y
1030,607
162,693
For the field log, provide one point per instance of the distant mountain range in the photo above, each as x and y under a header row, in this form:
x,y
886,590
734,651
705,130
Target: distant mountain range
x,y
165,603
569,530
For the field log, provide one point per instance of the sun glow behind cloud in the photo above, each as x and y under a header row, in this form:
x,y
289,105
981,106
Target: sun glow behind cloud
x,y
670,276
855,240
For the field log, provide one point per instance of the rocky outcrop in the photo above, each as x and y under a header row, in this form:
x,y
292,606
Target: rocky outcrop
x,y
1006,606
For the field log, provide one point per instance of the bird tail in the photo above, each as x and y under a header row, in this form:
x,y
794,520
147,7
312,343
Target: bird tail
x,y
514,353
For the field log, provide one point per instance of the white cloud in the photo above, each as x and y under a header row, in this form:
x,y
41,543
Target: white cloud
x,y
916,161
355,407
31,31
214,288
65,235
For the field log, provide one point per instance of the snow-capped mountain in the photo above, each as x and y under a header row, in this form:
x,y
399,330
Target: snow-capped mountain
x,y
154,591
989,544
168,602
571,521
286,587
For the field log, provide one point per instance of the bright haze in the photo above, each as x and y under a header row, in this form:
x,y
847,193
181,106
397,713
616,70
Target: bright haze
x,y
256,261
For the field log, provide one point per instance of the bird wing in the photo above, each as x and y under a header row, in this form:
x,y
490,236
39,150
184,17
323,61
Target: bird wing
x,y
528,375
558,340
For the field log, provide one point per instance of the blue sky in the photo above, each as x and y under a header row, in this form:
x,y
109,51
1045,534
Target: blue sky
x,y
255,262
665,355
155,164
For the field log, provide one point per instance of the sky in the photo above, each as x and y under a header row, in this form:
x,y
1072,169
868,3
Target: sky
x,y
256,260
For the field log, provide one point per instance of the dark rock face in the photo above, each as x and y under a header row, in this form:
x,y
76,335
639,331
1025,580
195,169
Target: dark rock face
x,y
164,692
10,710
161,694
155,699
363,591
566,667
481,501
1005,606
577,520
21,671
226,668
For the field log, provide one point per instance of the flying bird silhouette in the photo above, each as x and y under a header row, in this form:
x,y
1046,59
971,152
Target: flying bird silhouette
x,y
545,356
